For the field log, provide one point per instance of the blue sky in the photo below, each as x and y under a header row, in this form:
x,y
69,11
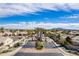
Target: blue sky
x,y
44,15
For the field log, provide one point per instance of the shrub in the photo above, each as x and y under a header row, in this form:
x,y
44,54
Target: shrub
x,y
63,42
66,43
39,45
4,51
17,44
68,39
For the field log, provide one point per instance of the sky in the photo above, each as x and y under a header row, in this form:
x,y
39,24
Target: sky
x,y
43,15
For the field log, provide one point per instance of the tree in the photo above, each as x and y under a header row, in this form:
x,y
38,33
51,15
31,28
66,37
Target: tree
x,y
68,39
2,29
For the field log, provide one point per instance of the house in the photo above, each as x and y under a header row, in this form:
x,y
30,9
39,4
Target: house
x,y
7,33
21,33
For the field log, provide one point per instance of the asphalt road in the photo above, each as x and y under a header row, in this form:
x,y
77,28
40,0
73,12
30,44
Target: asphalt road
x,y
38,54
31,44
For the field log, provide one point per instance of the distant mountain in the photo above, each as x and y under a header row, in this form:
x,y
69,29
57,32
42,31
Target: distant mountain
x,y
57,29
62,29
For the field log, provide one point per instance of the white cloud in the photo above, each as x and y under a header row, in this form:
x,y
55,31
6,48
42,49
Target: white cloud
x,y
32,25
74,6
21,8
74,16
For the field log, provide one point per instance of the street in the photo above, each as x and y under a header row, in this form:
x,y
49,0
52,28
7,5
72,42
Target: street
x,y
29,50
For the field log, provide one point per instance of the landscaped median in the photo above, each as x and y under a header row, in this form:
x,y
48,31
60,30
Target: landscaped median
x,y
39,45
9,51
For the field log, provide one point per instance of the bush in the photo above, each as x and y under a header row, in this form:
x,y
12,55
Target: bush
x,y
63,42
66,43
68,39
5,51
17,44
39,45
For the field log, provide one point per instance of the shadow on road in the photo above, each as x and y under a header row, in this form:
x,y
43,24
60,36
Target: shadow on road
x,y
57,47
38,54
